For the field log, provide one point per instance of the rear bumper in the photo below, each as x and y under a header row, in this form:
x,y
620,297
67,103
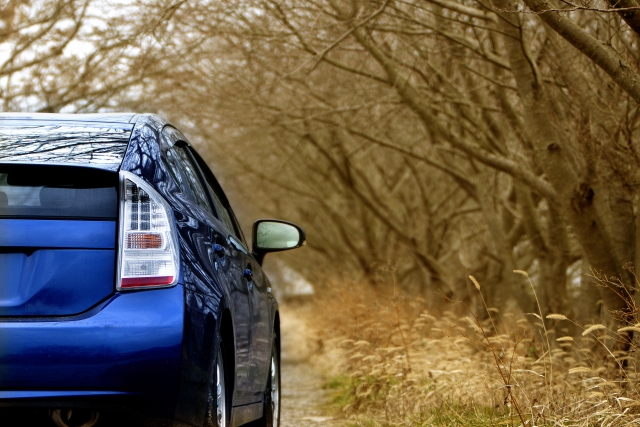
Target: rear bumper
x,y
128,352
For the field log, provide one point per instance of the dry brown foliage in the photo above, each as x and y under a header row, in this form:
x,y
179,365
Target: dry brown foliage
x,y
397,363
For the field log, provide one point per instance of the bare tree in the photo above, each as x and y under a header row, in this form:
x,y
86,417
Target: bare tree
x,y
418,141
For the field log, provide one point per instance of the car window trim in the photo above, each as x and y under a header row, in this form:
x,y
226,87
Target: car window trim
x,y
184,145
217,189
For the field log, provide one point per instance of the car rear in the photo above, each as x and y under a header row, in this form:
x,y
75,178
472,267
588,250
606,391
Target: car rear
x,y
91,311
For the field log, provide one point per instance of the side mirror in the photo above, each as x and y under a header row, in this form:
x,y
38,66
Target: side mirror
x,y
272,235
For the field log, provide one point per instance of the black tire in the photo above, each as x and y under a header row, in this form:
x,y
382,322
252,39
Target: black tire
x,y
272,395
219,396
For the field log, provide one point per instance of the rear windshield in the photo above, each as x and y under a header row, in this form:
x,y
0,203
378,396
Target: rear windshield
x,y
57,192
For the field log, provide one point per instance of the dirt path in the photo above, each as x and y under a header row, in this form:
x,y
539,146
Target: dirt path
x,y
304,400
302,397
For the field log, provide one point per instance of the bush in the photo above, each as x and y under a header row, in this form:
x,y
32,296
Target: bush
x,y
395,363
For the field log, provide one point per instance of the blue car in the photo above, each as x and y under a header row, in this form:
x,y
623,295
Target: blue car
x,y
126,284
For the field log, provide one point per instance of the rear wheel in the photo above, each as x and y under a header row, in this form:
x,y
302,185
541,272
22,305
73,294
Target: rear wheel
x,y
274,389
218,407
271,410
222,417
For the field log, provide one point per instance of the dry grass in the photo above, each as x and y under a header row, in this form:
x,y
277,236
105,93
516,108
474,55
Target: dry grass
x,y
396,364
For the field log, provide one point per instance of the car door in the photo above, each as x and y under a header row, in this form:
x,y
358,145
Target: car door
x,y
260,299
213,251
227,235
231,259
259,303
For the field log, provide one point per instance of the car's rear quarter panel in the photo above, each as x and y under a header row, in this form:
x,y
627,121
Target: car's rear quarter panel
x,y
124,348
131,345
156,345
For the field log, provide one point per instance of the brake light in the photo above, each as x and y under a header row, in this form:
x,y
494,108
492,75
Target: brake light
x,y
148,256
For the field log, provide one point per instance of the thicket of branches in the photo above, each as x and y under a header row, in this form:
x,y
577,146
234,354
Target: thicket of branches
x,y
417,141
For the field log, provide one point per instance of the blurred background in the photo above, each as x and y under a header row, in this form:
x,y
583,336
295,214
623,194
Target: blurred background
x,y
417,141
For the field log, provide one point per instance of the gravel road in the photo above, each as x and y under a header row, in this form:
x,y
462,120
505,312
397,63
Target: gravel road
x,y
303,398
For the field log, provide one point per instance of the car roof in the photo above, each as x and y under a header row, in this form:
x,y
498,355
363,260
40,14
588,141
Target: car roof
x,y
122,118
96,140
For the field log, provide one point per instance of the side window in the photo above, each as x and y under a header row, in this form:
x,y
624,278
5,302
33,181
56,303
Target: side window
x,y
222,212
186,175
219,199
178,175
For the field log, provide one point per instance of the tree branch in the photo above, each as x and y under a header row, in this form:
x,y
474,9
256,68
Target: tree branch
x,y
602,55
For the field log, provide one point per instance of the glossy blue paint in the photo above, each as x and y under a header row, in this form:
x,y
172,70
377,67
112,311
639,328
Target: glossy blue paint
x,y
150,350
133,345
45,266
262,325
68,234
56,282
57,394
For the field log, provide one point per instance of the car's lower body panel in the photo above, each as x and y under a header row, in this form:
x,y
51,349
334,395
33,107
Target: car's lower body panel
x,y
128,351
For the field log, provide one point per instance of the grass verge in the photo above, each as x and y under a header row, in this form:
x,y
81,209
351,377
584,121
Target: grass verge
x,y
394,363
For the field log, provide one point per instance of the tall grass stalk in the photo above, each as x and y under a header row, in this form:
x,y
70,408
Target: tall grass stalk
x,y
395,363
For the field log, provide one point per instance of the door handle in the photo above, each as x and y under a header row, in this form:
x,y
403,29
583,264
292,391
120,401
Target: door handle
x,y
234,244
248,274
219,250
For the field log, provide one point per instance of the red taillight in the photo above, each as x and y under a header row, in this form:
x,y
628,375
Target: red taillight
x,y
148,247
141,282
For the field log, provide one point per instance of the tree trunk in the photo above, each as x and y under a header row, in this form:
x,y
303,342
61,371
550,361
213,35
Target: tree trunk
x,y
576,197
